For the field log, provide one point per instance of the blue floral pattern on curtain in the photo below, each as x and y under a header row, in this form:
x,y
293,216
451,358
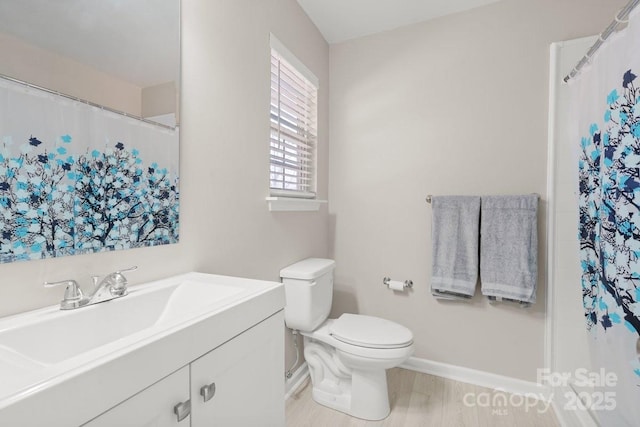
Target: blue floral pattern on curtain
x,y
609,230
76,179
54,203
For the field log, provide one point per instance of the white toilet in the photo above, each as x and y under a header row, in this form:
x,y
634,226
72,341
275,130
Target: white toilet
x,y
348,356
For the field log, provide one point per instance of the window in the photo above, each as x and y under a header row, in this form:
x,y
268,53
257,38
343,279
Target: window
x,y
294,97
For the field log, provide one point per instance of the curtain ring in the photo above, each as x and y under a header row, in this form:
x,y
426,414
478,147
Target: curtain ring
x,y
622,21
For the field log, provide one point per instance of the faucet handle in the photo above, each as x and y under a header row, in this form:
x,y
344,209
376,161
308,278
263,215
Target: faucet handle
x,y
119,286
95,277
73,296
116,281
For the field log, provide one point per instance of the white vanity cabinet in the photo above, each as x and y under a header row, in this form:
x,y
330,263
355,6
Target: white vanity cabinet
x,y
128,362
239,383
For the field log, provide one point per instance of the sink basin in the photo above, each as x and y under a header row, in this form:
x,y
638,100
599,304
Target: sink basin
x,y
46,346
58,336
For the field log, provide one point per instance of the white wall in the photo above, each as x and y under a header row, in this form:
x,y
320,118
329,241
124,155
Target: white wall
x,y
457,105
226,227
159,99
225,93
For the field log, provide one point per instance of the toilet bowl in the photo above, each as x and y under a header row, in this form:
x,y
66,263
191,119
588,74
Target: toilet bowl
x,y
352,378
348,356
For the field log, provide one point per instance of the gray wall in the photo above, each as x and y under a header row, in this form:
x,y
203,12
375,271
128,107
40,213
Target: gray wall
x,y
457,105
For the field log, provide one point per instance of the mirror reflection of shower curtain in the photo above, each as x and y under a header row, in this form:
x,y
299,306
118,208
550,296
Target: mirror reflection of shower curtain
x,y
606,107
76,179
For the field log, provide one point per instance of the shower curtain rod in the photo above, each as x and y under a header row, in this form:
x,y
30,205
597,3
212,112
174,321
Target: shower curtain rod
x,y
84,101
621,18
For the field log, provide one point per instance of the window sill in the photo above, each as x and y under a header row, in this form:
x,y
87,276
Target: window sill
x,y
292,204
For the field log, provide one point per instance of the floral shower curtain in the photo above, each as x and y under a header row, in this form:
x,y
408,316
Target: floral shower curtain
x,y
78,179
607,106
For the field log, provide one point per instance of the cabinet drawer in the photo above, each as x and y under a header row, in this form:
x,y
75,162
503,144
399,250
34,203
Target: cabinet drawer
x,y
153,406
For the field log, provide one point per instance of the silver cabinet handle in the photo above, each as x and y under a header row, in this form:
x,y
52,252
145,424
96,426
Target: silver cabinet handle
x,y
182,410
208,391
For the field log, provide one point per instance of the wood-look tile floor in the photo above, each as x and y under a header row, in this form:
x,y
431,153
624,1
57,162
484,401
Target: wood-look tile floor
x,y
424,400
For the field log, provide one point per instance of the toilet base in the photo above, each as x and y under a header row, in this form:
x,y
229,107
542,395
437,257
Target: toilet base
x,y
368,400
359,393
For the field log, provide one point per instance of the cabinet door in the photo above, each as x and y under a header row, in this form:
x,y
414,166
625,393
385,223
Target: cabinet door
x,y
247,374
152,407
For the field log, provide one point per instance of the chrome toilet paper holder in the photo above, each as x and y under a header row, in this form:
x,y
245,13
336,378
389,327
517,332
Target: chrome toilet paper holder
x,y
407,283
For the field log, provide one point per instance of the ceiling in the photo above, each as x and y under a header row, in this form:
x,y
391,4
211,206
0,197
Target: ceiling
x,y
136,40
340,20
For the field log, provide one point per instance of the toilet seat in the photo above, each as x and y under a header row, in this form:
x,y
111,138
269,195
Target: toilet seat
x,y
370,332
323,334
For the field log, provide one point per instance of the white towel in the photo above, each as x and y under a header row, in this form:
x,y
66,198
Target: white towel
x,y
509,247
455,231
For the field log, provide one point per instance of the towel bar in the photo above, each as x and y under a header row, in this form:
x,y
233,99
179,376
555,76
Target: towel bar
x,y
429,197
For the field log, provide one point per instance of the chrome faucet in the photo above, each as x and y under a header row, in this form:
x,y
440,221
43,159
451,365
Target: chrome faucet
x,y
114,285
73,296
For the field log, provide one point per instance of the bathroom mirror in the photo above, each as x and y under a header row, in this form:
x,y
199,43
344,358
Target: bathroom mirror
x,y
121,54
88,126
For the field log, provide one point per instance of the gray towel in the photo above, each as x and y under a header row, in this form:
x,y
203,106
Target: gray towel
x,y
454,271
509,247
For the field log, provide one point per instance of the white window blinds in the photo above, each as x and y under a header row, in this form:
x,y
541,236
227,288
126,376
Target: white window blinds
x,y
293,128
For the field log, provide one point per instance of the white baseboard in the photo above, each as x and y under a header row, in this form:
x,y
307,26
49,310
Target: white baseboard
x,y
479,378
444,370
299,376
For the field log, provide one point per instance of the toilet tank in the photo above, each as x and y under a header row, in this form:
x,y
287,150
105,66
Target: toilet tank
x,y
308,289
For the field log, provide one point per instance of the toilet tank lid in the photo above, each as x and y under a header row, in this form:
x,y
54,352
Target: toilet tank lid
x,y
308,269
